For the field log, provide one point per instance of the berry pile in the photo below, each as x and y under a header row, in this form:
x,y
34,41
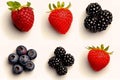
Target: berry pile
x,y
97,19
21,60
61,60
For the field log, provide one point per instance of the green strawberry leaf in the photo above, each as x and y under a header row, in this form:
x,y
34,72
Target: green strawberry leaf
x,y
28,4
13,5
102,46
50,6
54,6
58,4
63,4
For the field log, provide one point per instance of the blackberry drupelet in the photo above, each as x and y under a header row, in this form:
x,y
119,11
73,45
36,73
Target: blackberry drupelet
x,y
101,25
54,62
61,70
105,16
90,23
93,9
59,52
68,60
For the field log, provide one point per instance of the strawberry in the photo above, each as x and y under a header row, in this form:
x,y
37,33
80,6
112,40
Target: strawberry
x,y
22,16
98,57
60,17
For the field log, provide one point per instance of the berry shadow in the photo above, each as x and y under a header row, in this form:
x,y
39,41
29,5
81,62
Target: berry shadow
x,y
10,31
48,31
86,69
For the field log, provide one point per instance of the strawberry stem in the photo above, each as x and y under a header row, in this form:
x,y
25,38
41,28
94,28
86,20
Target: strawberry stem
x,y
14,5
58,6
100,48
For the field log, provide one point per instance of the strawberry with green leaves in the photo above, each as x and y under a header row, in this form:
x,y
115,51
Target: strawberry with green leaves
x,y
98,57
60,17
22,16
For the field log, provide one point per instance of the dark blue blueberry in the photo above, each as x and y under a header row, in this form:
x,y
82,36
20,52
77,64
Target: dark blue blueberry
x,y
17,69
21,50
29,66
13,58
23,59
32,54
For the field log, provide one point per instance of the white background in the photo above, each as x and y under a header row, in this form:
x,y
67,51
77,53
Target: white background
x,y
45,39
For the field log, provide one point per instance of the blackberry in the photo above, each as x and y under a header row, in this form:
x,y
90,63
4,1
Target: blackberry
x,y
54,62
101,25
61,70
93,9
59,52
90,23
105,16
68,60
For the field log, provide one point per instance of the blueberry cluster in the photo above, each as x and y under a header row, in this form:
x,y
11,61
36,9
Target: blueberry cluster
x,y
61,60
21,60
97,19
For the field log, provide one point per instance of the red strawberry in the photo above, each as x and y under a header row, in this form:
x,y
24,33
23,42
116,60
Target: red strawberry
x,y
98,57
60,18
22,16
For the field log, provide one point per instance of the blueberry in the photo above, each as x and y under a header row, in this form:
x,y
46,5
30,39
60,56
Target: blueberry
x,y
17,69
29,66
21,50
32,54
23,59
13,58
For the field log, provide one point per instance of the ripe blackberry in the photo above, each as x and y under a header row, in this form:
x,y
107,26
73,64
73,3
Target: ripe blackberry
x,y
54,62
61,70
105,16
68,60
59,52
93,9
90,23
101,25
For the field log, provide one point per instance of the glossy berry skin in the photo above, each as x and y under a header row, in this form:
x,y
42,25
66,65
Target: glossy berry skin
x,y
60,52
13,58
68,60
29,66
98,59
61,20
61,70
93,9
21,50
17,69
54,62
23,19
32,54
105,16
90,23
23,59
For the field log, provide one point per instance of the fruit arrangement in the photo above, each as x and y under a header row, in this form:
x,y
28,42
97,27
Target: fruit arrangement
x,y
60,17
22,59
97,19
98,57
61,61
22,16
